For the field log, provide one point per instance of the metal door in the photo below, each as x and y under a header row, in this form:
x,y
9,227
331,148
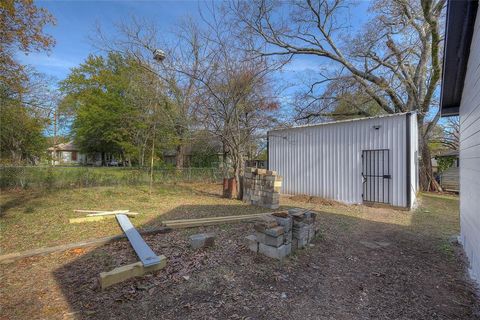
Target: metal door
x,y
376,175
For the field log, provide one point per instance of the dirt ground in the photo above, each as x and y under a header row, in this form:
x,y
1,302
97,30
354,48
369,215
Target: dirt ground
x,y
366,263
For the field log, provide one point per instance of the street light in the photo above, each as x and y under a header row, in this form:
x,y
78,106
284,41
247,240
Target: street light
x,y
158,55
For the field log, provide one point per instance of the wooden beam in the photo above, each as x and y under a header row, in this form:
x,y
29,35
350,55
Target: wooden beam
x,y
98,211
193,224
215,218
90,219
11,257
123,273
112,213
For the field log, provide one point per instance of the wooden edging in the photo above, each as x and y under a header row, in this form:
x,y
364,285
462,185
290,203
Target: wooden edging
x,y
168,225
215,218
11,257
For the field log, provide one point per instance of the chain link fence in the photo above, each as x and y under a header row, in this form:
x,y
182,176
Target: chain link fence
x,y
76,177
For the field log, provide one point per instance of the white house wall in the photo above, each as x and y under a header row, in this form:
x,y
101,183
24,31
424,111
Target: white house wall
x,y
470,156
325,160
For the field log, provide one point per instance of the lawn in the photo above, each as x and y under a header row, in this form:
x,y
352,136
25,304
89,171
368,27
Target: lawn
x,y
419,275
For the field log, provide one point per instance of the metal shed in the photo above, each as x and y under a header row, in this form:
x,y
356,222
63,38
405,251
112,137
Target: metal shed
x,y
368,160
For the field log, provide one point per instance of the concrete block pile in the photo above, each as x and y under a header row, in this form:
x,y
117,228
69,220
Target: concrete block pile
x,y
281,233
261,187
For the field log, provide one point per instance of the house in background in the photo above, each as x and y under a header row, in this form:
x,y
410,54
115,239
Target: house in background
x,y
67,153
460,95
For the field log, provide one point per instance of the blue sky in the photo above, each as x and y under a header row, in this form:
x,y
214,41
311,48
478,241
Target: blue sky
x,y
76,22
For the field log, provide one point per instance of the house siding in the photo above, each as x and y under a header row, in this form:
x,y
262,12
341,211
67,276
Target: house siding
x,y
470,156
326,160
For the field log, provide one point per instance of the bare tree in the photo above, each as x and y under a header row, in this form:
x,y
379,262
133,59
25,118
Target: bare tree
x,y
396,59
140,38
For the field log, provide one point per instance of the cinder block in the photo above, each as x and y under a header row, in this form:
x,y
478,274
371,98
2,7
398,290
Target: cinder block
x,y
275,252
275,232
202,240
269,240
286,223
252,243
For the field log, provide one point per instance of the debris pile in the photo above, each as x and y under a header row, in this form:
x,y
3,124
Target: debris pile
x,y
279,234
261,187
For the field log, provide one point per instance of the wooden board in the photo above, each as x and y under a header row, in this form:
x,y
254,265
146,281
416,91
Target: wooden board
x,y
98,211
143,251
11,257
112,213
89,219
123,273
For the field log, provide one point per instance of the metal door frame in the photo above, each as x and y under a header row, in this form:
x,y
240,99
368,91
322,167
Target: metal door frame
x,y
371,193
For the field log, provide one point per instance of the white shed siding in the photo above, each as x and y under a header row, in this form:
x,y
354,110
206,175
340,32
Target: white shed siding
x,y
414,166
470,156
325,160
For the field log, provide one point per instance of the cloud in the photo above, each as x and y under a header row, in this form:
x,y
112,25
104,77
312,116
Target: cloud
x,y
44,60
309,64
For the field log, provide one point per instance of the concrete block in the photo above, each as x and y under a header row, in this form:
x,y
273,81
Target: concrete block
x,y
202,240
269,240
252,243
275,252
286,223
275,232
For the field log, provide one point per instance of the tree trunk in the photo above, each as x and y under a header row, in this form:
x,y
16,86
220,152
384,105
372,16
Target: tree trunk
x,y
426,178
180,156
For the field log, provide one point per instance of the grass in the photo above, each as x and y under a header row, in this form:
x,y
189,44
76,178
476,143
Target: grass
x,y
33,219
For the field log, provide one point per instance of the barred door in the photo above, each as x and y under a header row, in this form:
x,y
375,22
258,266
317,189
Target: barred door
x,y
376,175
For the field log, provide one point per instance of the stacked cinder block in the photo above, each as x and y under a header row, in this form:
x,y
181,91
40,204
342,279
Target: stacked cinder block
x,y
279,234
271,239
303,229
261,187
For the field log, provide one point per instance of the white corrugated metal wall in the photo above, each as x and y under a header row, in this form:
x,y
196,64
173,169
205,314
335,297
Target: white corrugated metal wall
x,y
325,160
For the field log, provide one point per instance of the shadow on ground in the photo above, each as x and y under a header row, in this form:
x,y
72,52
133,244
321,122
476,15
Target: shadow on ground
x,y
412,275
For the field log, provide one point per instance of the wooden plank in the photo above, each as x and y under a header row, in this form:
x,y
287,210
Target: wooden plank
x,y
89,219
123,273
143,251
193,224
11,257
98,211
110,213
216,218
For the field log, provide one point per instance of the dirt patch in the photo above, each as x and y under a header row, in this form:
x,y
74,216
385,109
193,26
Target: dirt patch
x,y
410,272
315,200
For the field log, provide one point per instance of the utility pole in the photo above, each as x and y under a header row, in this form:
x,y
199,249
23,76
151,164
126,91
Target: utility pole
x,y
55,136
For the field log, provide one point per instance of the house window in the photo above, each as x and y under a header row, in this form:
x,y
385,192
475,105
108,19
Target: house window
x,y
74,155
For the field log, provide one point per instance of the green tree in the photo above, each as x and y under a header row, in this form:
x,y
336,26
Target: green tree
x,y
114,105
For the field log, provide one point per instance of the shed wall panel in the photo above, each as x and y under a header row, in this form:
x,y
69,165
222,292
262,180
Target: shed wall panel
x,y
325,160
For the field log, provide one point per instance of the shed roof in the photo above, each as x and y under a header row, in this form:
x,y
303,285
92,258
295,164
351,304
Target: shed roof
x,y
341,121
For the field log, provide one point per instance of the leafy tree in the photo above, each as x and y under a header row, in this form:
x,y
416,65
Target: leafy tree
x,y
113,106
23,114
21,134
22,26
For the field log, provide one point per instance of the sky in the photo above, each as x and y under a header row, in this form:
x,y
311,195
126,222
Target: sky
x,y
76,22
